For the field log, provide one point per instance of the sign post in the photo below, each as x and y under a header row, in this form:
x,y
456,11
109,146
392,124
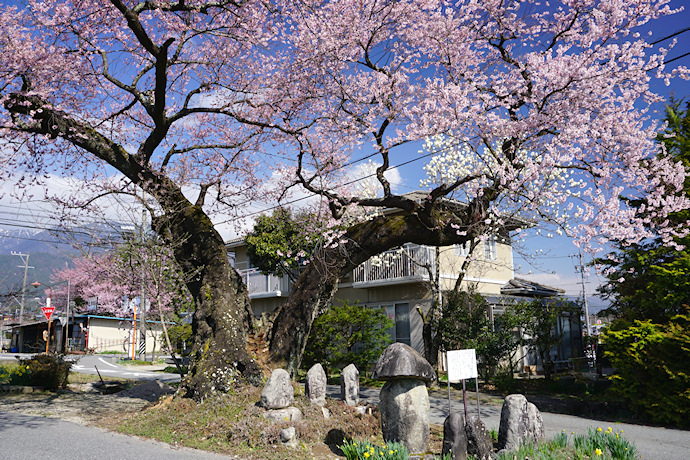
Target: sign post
x,y
462,364
48,312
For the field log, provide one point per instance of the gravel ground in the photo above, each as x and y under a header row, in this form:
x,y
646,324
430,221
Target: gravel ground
x,y
83,403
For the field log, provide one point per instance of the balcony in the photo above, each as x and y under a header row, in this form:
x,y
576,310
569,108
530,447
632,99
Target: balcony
x,y
262,286
405,265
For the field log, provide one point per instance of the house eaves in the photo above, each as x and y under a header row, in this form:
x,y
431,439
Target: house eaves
x,y
526,288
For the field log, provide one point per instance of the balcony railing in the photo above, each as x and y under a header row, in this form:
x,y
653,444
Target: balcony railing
x,y
260,285
396,266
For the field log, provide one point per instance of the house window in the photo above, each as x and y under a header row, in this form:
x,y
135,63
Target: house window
x,y
490,252
400,313
462,250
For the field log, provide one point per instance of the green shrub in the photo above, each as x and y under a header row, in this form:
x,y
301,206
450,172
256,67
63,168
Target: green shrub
x,y
47,371
652,372
348,334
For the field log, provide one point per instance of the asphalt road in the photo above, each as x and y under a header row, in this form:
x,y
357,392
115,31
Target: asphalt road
x,y
89,363
104,364
27,437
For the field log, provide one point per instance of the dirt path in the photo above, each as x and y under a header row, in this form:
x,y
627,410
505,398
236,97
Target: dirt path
x,y
83,404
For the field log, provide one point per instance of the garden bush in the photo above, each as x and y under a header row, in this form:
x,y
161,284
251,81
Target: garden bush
x,y
346,334
652,373
48,371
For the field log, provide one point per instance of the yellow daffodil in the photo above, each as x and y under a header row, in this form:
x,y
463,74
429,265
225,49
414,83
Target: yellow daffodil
x,y
598,452
366,454
599,429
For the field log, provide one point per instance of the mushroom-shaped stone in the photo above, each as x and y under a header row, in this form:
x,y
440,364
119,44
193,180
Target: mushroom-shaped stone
x,y
399,361
404,398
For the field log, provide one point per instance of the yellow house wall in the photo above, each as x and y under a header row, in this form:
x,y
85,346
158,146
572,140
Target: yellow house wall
x,y
108,335
483,276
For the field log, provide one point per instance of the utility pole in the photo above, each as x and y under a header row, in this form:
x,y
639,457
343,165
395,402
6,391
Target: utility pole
x,y
26,268
581,269
69,279
142,295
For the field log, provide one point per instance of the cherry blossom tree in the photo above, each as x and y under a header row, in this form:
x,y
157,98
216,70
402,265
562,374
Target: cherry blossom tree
x,y
97,276
530,111
115,278
534,111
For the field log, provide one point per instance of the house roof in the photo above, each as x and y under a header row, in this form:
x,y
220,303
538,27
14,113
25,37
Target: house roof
x,y
526,288
235,242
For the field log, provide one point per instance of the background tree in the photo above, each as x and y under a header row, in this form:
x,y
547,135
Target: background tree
x,y
101,276
280,244
652,372
134,268
348,333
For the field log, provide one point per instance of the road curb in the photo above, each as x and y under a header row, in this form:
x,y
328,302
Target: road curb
x,y
19,389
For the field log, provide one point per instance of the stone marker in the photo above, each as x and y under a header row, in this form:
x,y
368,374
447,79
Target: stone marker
x,y
278,392
479,441
349,385
315,386
520,422
404,398
454,437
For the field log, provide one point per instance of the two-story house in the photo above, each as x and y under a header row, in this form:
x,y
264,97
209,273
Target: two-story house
x,y
397,281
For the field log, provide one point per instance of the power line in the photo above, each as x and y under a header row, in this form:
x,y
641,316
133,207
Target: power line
x,y
297,200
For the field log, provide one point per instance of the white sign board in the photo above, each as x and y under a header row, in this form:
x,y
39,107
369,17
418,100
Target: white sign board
x,y
462,365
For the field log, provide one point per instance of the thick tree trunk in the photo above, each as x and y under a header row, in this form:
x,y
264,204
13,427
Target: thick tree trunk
x,y
222,318
223,312
316,286
309,297
318,283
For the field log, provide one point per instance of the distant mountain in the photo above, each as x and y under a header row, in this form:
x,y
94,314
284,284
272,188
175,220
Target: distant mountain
x,y
28,241
48,251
